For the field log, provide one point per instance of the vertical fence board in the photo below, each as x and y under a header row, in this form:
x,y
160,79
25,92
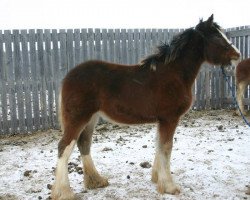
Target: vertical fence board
x,y
111,40
136,43
166,36
117,46
90,46
148,46
27,80
131,53
70,49
11,81
84,36
160,35
142,43
198,91
4,125
63,52
154,39
49,78
43,72
77,39
57,73
124,48
105,44
18,68
34,79
98,55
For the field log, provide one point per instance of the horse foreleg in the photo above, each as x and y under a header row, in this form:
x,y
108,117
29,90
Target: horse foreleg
x,y
92,179
161,173
240,93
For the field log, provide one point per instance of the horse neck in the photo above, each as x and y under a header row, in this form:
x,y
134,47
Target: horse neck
x,y
190,64
191,71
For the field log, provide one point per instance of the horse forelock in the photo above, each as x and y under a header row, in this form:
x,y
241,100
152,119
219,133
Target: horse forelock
x,y
207,28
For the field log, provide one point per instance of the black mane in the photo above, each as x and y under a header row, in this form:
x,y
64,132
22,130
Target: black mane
x,y
169,52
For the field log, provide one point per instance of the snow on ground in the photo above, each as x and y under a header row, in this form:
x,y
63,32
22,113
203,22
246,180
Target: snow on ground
x,y
210,160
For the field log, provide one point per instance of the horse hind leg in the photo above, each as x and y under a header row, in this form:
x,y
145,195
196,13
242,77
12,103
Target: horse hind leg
x,y
61,189
92,179
241,86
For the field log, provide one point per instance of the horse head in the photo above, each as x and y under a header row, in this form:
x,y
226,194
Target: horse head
x,y
218,49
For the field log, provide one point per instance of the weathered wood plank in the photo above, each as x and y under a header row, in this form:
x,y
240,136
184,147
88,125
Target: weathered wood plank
x,y
4,125
111,45
142,44
154,39
49,78
148,45
63,52
131,49
166,36
198,91
91,38
18,67
57,72
160,37
27,81
117,46
34,79
11,81
84,40
98,55
124,47
136,43
105,44
77,40
207,86
70,49
43,72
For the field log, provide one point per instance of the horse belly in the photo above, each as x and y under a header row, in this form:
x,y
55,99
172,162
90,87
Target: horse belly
x,y
127,115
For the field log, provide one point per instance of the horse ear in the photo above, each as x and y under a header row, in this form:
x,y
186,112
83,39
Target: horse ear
x,y
210,20
201,20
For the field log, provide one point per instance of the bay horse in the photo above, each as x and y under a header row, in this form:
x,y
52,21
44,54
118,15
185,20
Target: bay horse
x,y
242,80
157,90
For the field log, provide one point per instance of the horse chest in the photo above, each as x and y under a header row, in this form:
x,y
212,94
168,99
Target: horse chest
x,y
175,101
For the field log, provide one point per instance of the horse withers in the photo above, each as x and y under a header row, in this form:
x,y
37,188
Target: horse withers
x,y
242,81
157,90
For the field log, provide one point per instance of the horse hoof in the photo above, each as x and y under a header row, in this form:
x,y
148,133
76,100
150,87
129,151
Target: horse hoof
x,y
95,181
65,193
168,188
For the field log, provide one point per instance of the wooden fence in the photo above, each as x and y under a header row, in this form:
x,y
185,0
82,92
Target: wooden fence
x,y
33,63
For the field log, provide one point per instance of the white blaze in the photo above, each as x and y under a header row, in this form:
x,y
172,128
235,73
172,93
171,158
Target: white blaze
x,y
225,37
